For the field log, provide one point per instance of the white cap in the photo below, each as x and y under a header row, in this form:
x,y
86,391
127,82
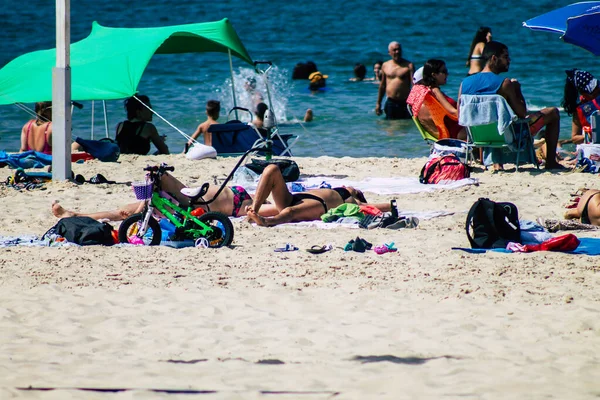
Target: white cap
x,y
418,76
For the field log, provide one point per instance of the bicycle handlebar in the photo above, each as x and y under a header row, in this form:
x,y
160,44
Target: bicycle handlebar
x,y
161,168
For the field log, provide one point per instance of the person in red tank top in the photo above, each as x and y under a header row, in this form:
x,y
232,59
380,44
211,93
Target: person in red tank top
x,y
581,99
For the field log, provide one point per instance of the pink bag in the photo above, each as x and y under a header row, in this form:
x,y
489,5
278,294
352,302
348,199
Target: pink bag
x,y
443,169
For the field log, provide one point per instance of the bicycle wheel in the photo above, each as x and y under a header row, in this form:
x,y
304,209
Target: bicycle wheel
x,y
222,234
128,231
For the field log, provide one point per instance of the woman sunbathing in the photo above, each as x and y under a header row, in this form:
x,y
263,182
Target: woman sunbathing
x,y
586,207
231,201
235,201
304,206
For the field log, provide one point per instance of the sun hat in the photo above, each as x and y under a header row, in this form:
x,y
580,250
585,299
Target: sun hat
x,y
317,76
583,80
418,76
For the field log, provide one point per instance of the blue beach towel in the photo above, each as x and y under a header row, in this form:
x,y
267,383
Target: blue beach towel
x,y
587,246
25,160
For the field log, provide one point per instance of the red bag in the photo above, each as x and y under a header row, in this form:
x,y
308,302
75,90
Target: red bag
x,y
444,168
567,242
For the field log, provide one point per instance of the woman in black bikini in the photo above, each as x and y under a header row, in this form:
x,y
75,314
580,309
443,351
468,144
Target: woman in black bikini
x,y
482,36
305,206
588,208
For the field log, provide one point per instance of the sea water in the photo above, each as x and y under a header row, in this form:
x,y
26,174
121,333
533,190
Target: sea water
x,y
333,34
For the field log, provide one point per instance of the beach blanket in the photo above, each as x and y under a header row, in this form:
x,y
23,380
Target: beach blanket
x,y
587,246
384,186
353,224
25,160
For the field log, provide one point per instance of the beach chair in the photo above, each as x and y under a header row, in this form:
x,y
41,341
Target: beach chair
x,y
491,124
428,137
234,137
438,114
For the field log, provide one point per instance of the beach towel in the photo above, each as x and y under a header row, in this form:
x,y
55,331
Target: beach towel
x,y
26,160
105,150
485,109
383,186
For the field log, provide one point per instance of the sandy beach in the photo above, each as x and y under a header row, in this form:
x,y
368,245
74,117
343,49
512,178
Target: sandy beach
x,y
246,322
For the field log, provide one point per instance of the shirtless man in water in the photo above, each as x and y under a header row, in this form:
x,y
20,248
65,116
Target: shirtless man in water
x,y
396,81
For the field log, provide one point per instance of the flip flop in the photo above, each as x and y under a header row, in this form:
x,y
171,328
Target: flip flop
x,y
316,249
360,245
410,222
288,247
99,178
385,248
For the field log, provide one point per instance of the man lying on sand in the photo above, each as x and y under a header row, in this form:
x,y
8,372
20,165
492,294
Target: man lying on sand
x,y
236,202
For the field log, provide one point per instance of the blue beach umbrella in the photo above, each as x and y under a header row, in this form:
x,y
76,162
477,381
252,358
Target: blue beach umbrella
x,y
579,24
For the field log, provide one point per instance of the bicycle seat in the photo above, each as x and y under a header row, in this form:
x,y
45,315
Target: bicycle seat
x,y
195,192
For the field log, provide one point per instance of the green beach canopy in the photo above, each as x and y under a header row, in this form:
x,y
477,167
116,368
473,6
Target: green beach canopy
x,y
109,63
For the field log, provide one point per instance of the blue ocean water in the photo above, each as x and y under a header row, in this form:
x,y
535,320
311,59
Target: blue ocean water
x,y
335,35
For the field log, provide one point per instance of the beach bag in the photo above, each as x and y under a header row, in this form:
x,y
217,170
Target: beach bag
x,y
443,169
198,151
85,231
289,169
493,224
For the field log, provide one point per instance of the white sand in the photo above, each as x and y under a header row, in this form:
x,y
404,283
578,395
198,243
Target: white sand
x,y
426,322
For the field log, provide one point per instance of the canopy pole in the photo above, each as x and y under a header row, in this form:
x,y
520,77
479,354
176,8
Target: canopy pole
x,y
61,95
105,118
188,137
232,84
92,120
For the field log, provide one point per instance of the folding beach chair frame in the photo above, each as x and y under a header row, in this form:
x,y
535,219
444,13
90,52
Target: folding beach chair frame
x,y
482,136
428,137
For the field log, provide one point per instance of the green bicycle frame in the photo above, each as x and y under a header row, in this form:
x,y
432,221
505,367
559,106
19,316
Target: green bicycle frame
x,y
164,205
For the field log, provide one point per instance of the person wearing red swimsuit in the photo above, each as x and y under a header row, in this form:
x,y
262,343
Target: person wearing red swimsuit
x,y
37,133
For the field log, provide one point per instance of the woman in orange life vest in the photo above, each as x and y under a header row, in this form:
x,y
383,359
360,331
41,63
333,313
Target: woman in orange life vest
x,y
581,99
435,75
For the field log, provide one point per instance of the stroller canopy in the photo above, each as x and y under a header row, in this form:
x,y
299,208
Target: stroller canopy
x,y
109,63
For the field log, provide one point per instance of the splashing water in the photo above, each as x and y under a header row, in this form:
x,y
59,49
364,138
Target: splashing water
x,y
251,89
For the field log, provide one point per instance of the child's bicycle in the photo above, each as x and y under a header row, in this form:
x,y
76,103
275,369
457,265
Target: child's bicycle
x,y
211,229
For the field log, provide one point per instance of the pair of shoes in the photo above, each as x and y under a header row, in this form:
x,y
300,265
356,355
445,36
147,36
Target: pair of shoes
x,y
410,222
385,248
96,179
288,247
359,245
316,249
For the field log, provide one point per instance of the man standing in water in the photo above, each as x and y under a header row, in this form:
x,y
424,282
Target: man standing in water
x,y
396,80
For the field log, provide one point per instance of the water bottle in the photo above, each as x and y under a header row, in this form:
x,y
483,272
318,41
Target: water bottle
x,y
586,131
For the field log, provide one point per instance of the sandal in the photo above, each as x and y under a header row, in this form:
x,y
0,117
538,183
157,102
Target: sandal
x,y
288,247
316,249
385,248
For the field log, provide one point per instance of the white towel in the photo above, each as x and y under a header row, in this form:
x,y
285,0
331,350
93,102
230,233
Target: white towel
x,y
477,110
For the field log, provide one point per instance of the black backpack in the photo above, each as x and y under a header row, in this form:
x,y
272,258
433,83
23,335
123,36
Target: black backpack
x,y
84,231
493,224
289,169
